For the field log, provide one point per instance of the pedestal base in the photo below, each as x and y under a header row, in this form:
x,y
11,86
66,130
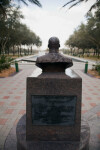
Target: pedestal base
x,y
22,144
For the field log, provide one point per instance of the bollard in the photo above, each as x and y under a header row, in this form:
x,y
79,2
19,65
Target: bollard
x,y
86,67
16,66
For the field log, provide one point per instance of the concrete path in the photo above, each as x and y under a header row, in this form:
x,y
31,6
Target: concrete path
x,y
13,101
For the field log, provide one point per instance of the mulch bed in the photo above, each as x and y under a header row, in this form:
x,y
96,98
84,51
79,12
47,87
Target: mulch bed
x,y
7,72
94,73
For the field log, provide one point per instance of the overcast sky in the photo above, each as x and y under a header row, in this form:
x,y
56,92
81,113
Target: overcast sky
x,y
51,20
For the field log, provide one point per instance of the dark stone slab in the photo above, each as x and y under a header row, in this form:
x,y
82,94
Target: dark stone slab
x,y
53,110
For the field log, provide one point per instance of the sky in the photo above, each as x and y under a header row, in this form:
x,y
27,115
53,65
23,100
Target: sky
x,y
53,20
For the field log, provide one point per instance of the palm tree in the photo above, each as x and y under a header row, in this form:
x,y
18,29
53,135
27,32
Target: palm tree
x,y
75,2
4,4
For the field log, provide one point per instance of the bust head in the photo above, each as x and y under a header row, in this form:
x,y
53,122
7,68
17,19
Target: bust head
x,y
53,61
53,45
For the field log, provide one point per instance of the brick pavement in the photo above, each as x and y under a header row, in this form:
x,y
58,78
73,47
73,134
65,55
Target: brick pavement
x,y
90,104
13,101
90,88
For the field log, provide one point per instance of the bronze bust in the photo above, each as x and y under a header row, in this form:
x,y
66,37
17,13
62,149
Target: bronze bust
x,y
53,61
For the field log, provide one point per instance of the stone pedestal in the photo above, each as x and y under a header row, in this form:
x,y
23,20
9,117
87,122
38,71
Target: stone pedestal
x,y
53,107
22,144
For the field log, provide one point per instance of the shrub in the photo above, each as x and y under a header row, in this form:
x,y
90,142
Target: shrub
x,y
97,67
2,59
74,54
10,59
5,62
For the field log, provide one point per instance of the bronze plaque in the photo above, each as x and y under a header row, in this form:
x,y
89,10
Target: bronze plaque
x,y
53,110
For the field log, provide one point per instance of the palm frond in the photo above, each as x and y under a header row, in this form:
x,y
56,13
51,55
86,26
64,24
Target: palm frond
x,y
75,2
97,4
74,5
68,3
3,7
79,1
23,2
35,2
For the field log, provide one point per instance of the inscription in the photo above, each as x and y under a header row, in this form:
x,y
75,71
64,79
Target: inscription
x,y
53,110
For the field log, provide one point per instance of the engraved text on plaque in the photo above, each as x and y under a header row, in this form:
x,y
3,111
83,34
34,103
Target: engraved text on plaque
x,y
53,110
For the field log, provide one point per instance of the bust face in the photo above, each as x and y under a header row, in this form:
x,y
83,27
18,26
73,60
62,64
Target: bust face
x,y
53,43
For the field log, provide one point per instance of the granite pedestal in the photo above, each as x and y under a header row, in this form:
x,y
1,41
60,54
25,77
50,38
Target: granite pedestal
x,y
22,144
53,107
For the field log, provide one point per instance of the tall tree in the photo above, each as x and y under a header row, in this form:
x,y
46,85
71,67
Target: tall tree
x,y
8,26
86,36
93,30
15,34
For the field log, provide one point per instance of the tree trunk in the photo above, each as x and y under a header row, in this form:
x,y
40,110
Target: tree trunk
x,y
24,51
94,52
3,48
98,52
0,49
98,55
83,53
71,51
31,50
3,44
8,50
20,50
13,50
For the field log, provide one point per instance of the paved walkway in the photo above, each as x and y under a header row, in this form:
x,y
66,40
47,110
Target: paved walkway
x,y
13,102
90,104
